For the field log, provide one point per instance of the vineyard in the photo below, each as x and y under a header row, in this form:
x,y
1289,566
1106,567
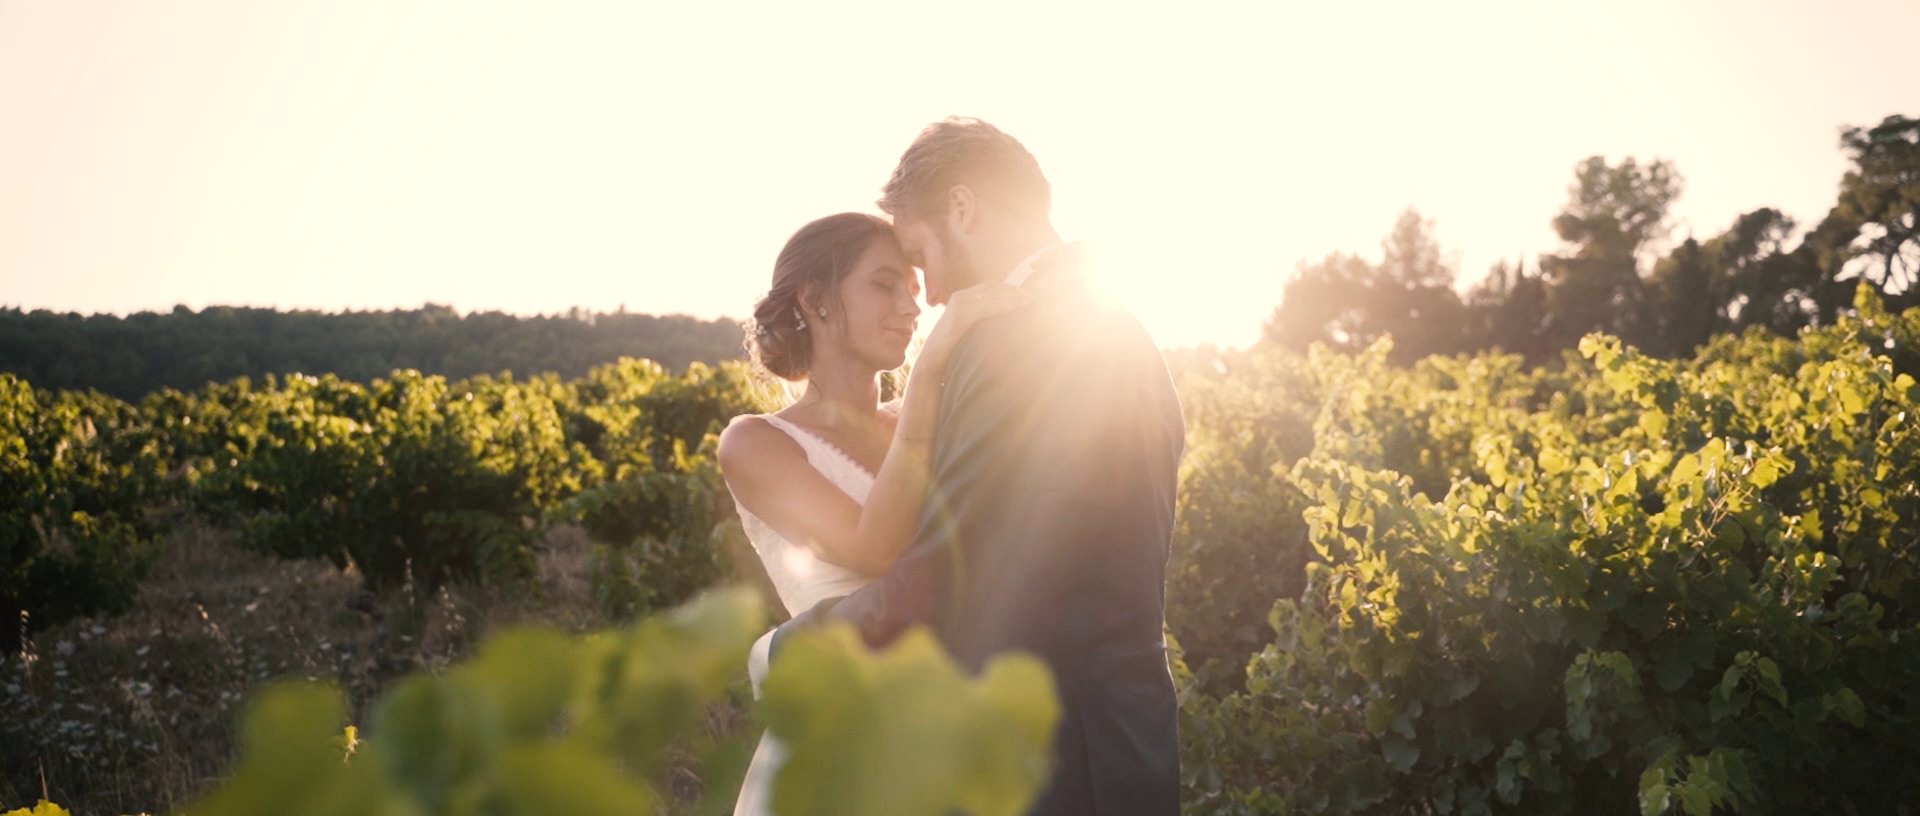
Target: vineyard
x,y
1622,585
1611,584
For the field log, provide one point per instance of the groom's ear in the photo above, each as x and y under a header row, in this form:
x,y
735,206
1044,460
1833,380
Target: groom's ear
x,y
963,209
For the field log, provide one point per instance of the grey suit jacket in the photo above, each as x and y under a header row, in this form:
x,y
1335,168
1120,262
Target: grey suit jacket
x,y
1047,530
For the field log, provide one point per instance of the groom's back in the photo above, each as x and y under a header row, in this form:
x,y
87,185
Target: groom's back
x,y
1055,478
1073,522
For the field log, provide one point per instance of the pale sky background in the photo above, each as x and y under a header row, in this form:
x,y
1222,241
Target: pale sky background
x,y
530,157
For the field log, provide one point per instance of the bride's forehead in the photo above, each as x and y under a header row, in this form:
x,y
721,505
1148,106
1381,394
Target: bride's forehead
x,y
887,257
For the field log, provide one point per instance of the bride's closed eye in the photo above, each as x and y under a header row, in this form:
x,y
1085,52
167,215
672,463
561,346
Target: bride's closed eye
x,y
890,280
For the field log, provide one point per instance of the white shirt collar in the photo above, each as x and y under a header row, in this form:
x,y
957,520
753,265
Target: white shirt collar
x,y
1024,269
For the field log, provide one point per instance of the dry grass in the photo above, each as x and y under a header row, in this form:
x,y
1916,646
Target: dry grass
x,y
137,713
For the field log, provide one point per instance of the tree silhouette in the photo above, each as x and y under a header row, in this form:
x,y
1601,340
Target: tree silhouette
x,y
132,356
1879,209
1347,303
1613,213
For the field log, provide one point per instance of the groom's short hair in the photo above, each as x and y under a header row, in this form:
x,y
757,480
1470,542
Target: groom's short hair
x,y
964,150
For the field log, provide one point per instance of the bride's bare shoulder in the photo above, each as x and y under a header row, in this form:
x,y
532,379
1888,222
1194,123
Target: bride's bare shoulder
x,y
751,443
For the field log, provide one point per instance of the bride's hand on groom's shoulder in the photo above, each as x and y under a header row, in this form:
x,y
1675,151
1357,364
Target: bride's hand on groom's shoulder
x,y
964,310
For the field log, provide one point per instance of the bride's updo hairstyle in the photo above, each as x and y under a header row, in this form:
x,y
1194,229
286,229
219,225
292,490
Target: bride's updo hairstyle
x,y
814,261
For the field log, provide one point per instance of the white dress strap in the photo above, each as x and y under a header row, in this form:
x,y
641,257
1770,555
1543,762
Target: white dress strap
x,y
841,469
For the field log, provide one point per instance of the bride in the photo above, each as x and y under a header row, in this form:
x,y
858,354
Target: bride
x,y
830,487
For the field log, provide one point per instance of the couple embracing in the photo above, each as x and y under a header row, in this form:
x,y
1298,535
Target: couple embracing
x,y
1018,496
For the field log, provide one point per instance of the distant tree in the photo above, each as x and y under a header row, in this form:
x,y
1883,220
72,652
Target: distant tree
x,y
1761,271
1325,302
1412,255
132,356
1614,213
1749,275
1507,310
1689,299
1759,281
1878,213
1347,303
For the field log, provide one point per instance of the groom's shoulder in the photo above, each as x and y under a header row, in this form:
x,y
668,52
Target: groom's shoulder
x,y
1103,329
1051,338
1081,327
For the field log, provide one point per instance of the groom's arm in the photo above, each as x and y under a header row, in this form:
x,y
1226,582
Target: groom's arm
x,y
977,409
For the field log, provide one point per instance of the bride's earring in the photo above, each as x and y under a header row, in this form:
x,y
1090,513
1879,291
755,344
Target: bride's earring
x,y
800,320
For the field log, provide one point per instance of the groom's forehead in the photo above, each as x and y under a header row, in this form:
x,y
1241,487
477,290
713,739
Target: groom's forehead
x,y
914,222
911,237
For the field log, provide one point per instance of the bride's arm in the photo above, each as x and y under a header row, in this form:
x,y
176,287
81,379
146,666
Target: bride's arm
x,y
769,475
900,488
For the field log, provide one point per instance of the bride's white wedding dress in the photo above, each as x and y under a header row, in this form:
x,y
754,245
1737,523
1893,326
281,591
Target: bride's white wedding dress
x,y
802,580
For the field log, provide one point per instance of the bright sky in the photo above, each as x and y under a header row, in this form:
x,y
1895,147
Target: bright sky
x,y
530,156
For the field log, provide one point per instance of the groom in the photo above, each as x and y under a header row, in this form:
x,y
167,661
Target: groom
x,y
1052,477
